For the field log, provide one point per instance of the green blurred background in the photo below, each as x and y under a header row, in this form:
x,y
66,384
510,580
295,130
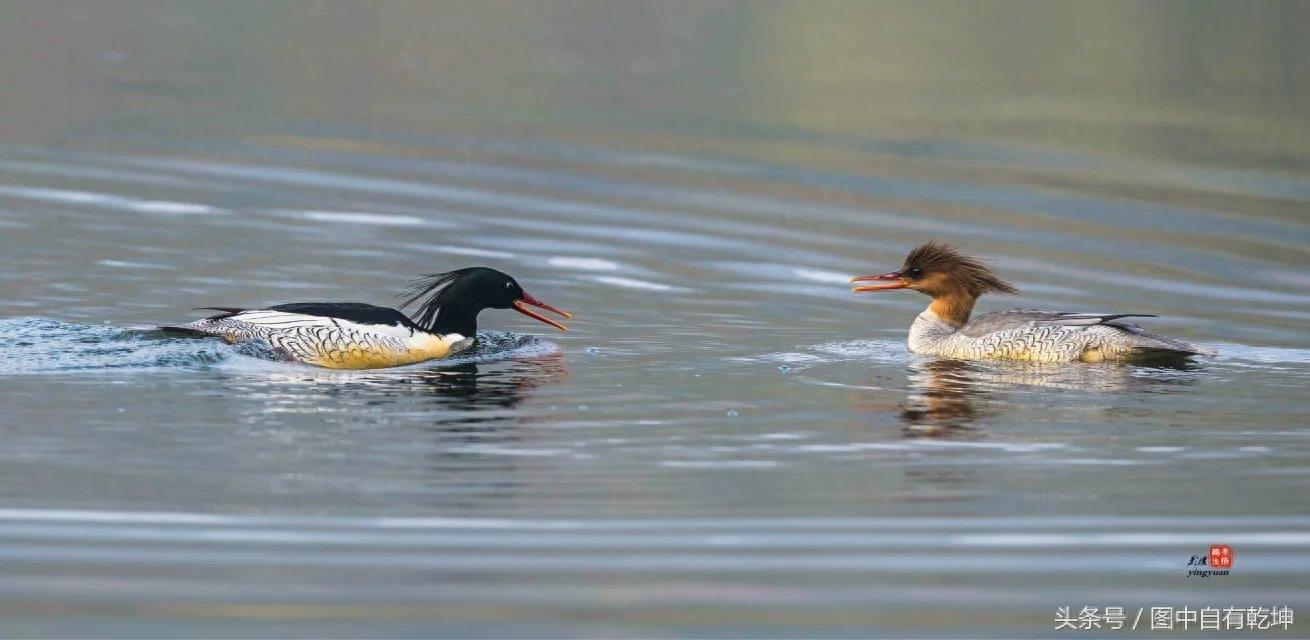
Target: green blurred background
x,y
1201,83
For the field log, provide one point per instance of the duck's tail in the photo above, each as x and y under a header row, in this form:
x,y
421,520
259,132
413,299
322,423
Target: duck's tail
x,y
184,331
1138,343
201,328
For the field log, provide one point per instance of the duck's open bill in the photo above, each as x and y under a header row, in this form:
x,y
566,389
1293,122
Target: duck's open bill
x,y
519,305
893,281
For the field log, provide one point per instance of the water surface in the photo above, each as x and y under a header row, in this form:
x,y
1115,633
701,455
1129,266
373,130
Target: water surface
x,y
726,442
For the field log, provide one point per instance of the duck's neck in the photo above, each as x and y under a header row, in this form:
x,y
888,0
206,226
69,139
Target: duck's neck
x,y
455,319
953,307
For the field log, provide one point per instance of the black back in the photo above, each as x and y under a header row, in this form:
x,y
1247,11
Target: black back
x,y
447,303
352,311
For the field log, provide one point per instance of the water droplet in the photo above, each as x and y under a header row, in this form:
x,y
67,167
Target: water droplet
x,y
784,368
732,414
582,407
593,350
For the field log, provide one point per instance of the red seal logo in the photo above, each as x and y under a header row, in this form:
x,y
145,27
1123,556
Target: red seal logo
x,y
1221,556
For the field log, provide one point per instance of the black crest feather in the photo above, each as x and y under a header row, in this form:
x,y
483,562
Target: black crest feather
x,y
431,291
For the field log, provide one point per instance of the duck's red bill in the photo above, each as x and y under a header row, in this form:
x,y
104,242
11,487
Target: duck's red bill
x,y
890,280
520,306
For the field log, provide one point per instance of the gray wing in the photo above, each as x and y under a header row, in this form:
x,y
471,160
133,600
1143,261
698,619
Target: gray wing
x,y
1015,318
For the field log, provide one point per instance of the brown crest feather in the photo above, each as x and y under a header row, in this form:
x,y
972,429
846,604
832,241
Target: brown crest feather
x,y
966,274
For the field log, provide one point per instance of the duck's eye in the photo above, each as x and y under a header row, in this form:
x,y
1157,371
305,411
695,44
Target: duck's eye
x,y
915,272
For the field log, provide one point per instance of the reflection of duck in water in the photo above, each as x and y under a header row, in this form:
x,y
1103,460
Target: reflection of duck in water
x,y
474,422
453,394
353,335
955,281
941,398
946,397
503,385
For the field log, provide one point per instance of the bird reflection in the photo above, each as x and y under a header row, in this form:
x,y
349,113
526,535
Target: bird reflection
x,y
945,398
472,393
450,436
476,422
942,400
